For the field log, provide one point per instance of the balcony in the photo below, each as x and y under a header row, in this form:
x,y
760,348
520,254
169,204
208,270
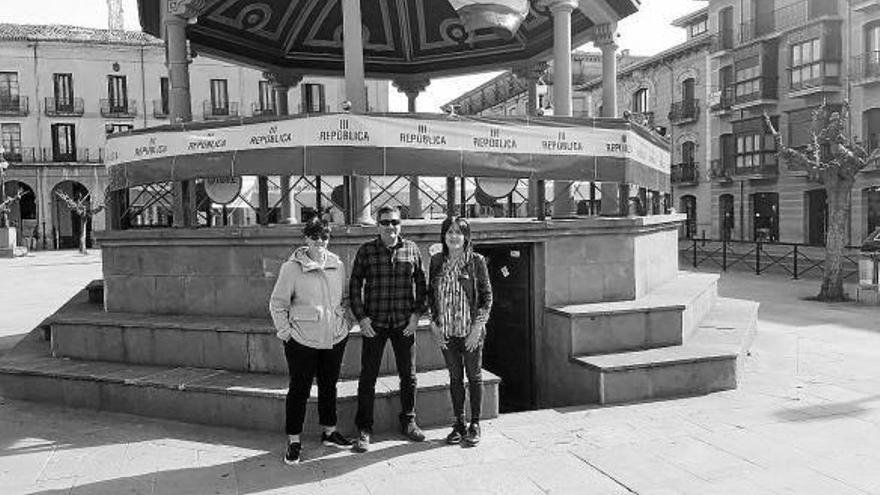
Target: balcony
x,y
763,171
64,107
722,41
721,170
820,77
785,18
755,92
119,109
722,100
865,68
684,112
161,109
641,118
686,173
264,110
213,111
46,155
14,106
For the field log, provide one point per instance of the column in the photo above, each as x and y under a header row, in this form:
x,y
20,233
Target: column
x,y
563,201
411,87
175,18
532,74
615,197
281,83
353,51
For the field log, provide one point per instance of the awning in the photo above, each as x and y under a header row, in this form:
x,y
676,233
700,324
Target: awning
x,y
553,148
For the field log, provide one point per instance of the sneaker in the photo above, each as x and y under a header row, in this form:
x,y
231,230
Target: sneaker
x,y
293,454
335,439
472,437
457,434
362,442
412,431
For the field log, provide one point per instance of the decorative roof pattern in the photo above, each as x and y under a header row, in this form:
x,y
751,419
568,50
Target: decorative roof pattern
x,y
73,34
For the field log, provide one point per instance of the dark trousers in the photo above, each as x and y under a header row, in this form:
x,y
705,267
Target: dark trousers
x,y
460,361
371,359
304,364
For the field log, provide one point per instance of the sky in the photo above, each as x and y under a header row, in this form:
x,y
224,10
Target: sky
x,y
645,33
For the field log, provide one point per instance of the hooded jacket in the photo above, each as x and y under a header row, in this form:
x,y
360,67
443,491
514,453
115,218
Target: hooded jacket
x,y
309,303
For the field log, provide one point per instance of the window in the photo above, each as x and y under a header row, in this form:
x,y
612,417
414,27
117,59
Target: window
x,y
687,89
313,98
164,95
754,150
807,67
10,138
9,97
871,123
748,78
63,143
63,90
689,207
688,152
640,101
219,97
699,28
116,128
266,97
117,93
872,49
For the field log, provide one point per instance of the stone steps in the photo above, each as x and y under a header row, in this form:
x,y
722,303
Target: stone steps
x,y
706,363
208,396
84,331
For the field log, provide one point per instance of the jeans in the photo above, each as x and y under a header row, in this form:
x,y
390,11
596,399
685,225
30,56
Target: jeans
x,y
304,363
459,361
371,359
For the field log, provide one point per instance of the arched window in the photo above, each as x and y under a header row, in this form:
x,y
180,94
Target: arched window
x,y
640,101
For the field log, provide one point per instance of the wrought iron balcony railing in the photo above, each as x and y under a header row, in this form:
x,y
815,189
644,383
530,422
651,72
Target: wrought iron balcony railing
x,y
119,109
262,110
686,173
161,109
684,111
64,107
15,106
865,68
642,118
214,111
50,155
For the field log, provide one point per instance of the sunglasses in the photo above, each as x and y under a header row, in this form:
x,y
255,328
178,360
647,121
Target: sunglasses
x,y
322,237
386,223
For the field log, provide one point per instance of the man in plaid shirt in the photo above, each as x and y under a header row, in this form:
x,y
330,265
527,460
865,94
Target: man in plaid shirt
x,y
387,292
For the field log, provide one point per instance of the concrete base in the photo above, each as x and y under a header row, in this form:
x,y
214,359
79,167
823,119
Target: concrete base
x,y
7,242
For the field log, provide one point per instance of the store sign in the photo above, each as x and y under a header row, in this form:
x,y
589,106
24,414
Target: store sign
x,y
223,190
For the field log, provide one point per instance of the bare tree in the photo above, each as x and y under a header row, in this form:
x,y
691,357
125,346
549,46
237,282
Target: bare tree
x,y
82,208
6,205
832,158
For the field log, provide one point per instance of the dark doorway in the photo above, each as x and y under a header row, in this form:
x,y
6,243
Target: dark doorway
x,y
727,219
765,212
689,207
817,216
509,349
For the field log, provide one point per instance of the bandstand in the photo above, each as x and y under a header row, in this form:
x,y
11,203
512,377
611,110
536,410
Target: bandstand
x,y
590,305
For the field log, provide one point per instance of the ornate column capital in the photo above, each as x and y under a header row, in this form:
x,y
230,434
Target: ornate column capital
x,y
604,35
186,9
283,78
530,71
559,5
411,86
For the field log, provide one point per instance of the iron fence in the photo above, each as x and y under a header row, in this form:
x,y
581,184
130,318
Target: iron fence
x,y
793,259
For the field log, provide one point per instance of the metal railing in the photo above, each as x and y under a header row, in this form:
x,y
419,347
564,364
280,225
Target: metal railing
x,y
865,67
784,18
48,155
793,259
64,107
685,173
214,112
643,118
16,106
118,109
685,111
262,110
161,109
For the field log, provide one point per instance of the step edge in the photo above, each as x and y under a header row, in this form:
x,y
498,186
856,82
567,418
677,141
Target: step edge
x,y
721,356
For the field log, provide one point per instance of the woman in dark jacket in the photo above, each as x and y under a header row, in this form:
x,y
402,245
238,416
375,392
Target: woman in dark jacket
x,y
460,298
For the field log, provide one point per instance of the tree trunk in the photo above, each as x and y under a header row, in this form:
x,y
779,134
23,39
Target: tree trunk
x,y
838,192
83,223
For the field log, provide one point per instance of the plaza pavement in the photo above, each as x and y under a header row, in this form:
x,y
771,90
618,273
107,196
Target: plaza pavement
x,y
804,420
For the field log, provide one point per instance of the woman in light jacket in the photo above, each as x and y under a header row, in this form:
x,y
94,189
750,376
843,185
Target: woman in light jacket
x,y
309,308
460,298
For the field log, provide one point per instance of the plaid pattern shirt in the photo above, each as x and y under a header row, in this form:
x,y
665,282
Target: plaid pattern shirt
x,y
387,284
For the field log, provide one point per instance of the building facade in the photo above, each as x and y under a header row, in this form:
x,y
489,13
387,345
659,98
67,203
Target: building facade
x,y
668,92
785,58
63,89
